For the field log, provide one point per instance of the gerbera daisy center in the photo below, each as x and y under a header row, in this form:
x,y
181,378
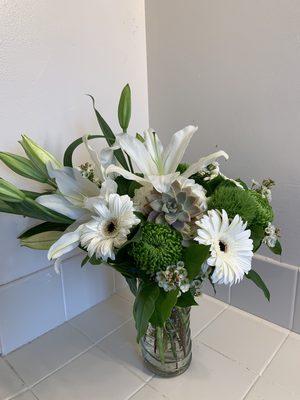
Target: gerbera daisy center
x,y
223,246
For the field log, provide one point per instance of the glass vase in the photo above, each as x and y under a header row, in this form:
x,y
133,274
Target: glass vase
x,y
167,351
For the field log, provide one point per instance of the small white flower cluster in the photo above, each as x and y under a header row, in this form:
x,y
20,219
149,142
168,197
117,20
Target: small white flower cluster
x,y
264,188
196,287
175,276
272,235
210,171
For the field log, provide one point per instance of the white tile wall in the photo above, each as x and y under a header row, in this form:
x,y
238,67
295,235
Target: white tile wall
x,y
296,325
85,287
281,282
30,307
35,304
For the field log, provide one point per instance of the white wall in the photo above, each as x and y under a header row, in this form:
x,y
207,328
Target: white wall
x,y
52,52
232,68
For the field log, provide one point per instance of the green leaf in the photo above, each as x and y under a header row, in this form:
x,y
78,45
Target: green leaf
x,y
186,300
124,109
44,227
22,166
68,156
163,306
193,257
85,261
33,195
255,278
39,156
42,240
109,136
257,235
10,193
277,249
144,306
30,208
6,207
132,283
242,183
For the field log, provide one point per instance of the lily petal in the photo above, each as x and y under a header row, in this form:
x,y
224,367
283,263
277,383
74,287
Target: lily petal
x,y
162,183
177,147
154,147
58,203
203,162
126,174
95,158
73,185
138,153
68,242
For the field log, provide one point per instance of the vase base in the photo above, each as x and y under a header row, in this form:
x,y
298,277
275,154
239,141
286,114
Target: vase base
x,y
167,370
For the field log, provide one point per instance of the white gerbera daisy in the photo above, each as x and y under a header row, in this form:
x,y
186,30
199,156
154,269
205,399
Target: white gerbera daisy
x,y
109,227
230,246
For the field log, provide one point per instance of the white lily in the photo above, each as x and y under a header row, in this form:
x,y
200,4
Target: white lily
x,y
76,194
158,165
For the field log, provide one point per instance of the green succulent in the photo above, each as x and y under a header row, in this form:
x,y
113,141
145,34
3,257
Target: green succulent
x,y
179,207
234,201
158,247
264,212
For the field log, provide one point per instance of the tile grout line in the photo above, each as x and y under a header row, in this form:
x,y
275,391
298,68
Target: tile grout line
x,y
266,365
293,308
94,344
211,321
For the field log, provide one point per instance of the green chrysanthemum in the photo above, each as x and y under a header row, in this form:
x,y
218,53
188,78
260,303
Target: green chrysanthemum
x,y
234,201
264,212
158,247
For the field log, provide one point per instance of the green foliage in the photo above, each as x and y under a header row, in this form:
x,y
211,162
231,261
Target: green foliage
x,y
234,201
193,257
186,300
10,193
22,166
277,249
163,306
264,212
144,306
157,247
124,109
68,156
126,186
182,167
42,240
257,235
39,156
109,136
256,279
44,227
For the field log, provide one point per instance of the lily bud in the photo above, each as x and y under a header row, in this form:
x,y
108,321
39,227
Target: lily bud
x,y
42,240
38,155
10,193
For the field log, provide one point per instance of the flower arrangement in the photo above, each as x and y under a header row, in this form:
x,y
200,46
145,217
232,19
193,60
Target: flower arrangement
x,y
166,226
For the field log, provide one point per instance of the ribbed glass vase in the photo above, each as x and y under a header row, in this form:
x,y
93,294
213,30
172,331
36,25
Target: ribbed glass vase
x,y
168,351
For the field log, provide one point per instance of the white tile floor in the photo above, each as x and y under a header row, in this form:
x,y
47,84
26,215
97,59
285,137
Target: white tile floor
x,y
236,356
